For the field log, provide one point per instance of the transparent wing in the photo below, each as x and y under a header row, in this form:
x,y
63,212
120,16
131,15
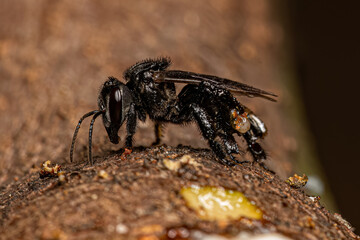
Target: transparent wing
x,y
177,76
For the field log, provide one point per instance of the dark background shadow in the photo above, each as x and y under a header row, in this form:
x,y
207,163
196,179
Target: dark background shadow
x,y
326,49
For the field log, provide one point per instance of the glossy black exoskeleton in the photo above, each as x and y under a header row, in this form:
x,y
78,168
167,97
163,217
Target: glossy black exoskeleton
x,y
150,90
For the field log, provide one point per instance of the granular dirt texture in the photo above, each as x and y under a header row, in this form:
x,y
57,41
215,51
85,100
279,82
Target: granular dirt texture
x,y
137,196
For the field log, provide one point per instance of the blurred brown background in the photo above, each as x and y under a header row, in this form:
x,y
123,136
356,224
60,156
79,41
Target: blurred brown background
x,y
54,55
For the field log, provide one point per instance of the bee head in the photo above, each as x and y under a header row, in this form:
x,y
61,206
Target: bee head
x,y
114,101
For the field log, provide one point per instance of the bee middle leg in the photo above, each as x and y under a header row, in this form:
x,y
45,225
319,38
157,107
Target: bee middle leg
x,y
130,127
206,126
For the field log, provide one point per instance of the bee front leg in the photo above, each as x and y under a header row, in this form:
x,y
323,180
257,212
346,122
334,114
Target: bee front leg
x,y
130,126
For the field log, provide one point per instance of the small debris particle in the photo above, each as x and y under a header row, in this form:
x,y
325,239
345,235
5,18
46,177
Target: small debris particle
x,y
47,171
62,177
171,164
315,199
175,165
247,177
189,160
127,151
94,196
309,223
343,221
178,233
102,174
122,228
296,181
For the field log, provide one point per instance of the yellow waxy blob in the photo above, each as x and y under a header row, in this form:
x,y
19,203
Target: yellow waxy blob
x,y
215,203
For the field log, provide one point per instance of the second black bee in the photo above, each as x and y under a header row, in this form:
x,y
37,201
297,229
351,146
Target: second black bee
x,y
207,100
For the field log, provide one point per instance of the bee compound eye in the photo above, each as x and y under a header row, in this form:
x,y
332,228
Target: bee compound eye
x,y
115,106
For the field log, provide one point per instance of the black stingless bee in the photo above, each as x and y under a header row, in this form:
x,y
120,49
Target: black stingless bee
x,y
207,100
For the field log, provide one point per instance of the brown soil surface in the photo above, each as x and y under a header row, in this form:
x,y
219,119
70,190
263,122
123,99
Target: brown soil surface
x,y
142,196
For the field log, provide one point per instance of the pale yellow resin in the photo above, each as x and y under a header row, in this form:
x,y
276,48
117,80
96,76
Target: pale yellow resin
x,y
215,203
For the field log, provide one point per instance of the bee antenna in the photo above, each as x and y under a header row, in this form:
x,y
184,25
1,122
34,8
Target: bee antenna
x,y
77,130
98,113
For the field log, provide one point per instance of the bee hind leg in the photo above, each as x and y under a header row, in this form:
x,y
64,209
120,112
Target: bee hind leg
x,y
256,150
